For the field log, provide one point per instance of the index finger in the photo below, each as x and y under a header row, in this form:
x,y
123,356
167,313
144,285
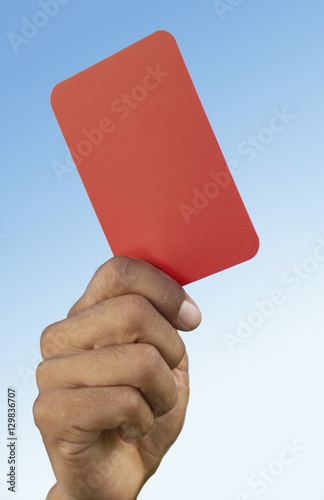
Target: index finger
x,y
124,275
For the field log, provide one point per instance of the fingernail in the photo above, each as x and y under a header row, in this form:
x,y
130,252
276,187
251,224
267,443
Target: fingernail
x,y
130,436
189,315
130,439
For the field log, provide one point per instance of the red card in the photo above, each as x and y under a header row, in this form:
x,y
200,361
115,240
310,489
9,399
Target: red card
x,y
151,164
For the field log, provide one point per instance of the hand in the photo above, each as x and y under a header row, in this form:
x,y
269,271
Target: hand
x,y
114,386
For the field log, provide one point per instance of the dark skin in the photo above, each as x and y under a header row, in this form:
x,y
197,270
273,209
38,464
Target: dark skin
x,y
114,385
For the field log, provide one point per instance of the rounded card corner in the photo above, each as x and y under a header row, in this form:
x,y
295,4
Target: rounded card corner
x,y
256,246
165,34
53,94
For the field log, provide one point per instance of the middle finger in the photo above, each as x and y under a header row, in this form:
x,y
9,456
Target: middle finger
x,y
137,365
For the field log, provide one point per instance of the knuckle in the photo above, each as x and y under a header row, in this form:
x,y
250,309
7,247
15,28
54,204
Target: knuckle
x,y
165,404
44,340
163,294
39,411
131,401
136,411
48,341
40,374
169,294
115,272
47,418
53,339
44,374
149,360
136,310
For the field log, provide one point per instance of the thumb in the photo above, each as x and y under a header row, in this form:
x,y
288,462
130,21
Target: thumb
x,y
123,275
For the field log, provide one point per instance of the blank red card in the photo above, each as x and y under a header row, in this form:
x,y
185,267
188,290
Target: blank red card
x,y
151,164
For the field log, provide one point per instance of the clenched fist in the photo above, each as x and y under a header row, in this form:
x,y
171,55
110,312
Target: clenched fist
x,y
113,386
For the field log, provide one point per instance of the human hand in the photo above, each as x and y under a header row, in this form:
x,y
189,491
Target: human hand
x,y
114,386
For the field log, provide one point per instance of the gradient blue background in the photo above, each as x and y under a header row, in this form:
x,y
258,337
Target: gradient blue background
x,y
244,404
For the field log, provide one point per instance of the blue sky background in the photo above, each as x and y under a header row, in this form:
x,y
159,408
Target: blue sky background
x,y
245,403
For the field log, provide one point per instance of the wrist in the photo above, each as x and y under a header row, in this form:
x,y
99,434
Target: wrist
x,y
55,493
